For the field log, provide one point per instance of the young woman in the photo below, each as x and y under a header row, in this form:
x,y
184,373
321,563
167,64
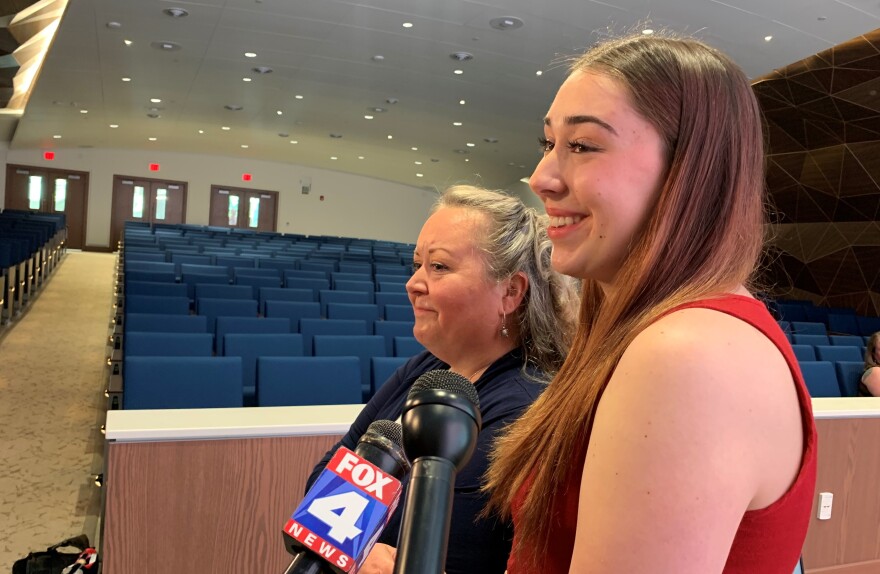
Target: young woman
x,y
870,383
677,437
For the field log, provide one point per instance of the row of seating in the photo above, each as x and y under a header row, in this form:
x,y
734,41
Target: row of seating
x,y
31,245
837,320
832,378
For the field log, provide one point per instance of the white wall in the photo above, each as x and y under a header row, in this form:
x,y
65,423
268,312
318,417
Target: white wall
x,y
353,206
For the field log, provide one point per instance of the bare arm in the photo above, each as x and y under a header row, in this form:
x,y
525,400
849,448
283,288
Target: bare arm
x,y
871,380
679,447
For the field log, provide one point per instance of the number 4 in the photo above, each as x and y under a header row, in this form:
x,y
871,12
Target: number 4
x,y
342,524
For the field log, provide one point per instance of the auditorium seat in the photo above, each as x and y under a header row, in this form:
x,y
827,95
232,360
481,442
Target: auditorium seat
x,y
868,325
407,346
160,322
213,308
804,352
251,346
256,283
309,327
347,285
165,344
153,276
391,329
300,381
846,341
182,382
295,311
834,354
155,288
849,375
226,325
365,311
399,313
808,328
214,291
157,304
382,368
821,378
306,274
391,287
361,346
843,323
313,284
810,339
326,296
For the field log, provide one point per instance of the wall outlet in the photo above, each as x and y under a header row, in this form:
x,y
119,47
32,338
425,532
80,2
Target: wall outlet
x,y
825,501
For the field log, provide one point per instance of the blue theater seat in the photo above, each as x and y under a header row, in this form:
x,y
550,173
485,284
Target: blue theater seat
x,y
808,328
182,382
849,375
407,347
295,311
155,288
846,341
366,286
157,344
157,304
257,283
159,322
326,296
213,308
298,381
399,313
310,327
363,347
226,325
215,291
834,354
391,329
367,312
804,352
383,367
843,323
810,339
252,346
821,378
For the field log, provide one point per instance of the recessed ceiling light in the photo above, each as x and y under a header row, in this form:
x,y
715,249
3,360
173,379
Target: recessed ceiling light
x,y
456,124
152,139
461,56
333,157
154,115
539,73
279,112
293,141
419,175
462,102
245,79
126,79
225,128
233,107
156,100
165,46
175,12
284,135
84,111
391,101
469,144
647,31
434,160
250,55
418,163
768,38
299,97
114,25
466,159
127,42
458,72
490,140
57,137
414,148
378,58
244,146
263,70
360,157
336,136
461,151
506,23
390,136
368,117
201,131
378,110
114,126
407,25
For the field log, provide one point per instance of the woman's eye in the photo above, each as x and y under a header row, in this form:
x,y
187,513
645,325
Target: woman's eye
x,y
438,267
415,266
578,147
544,144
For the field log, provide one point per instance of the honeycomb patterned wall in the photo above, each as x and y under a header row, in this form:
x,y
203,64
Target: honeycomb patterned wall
x,y
823,176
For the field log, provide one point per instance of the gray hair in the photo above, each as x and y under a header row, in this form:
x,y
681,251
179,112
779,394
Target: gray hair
x,y
516,240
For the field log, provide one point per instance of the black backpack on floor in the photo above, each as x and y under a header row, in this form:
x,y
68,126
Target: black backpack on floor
x,y
51,561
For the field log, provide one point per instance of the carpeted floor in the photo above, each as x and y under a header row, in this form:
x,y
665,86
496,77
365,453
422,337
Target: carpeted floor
x,y
52,377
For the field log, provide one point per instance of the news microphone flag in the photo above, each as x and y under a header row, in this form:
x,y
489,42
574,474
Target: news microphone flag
x,y
344,512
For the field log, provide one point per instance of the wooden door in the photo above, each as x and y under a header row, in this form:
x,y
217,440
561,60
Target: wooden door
x,y
47,190
147,200
240,208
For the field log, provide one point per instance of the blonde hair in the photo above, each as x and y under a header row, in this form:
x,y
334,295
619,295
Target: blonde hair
x,y
701,239
516,240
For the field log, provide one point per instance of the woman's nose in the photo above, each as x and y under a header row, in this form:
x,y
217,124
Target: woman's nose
x,y
546,179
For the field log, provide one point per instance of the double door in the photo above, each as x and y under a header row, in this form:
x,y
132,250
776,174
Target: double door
x,y
32,188
243,208
145,200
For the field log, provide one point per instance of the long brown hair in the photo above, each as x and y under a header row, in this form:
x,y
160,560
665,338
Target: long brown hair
x,y
702,238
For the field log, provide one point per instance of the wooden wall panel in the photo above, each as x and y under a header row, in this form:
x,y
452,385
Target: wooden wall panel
x,y
204,506
849,467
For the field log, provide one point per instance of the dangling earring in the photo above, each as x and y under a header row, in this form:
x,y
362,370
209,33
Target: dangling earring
x,y
504,331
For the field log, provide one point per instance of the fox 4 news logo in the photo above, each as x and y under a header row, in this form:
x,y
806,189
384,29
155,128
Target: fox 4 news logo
x,y
344,512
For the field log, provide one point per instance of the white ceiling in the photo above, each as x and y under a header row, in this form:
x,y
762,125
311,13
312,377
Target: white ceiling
x,y
323,49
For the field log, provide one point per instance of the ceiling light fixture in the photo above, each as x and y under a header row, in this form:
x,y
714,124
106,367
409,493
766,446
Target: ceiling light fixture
x,y
506,23
368,117
201,131
263,70
294,141
391,101
114,126
128,42
461,56
166,46
456,124
768,38
418,163
458,72
154,115
390,136
336,136
84,111
414,148
114,25
407,25
378,110
420,175
378,58
539,73
244,146
461,102
299,97
524,179
126,79
469,144
283,135
360,157
152,139
56,136
333,157
156,100
279,112
250,55
245,79
225,128
175,12
233,107
647,31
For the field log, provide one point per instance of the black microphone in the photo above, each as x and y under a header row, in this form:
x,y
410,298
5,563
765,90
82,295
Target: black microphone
x,y
441,420
343,513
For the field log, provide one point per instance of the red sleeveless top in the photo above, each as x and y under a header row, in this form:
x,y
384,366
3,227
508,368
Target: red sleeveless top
x,y
769,540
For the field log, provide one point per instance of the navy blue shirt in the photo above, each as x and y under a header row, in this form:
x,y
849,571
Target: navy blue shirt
x,y
475,545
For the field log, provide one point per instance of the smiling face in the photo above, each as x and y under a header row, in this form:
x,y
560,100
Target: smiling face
x,y
457,306
602,169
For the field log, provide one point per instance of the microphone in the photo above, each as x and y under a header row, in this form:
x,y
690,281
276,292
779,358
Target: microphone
x,y
342,515
441,420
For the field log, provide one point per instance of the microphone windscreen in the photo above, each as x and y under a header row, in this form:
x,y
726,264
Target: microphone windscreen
x,y
445,380
388,429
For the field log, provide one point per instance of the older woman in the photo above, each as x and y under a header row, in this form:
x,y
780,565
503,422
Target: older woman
x,y
487,306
